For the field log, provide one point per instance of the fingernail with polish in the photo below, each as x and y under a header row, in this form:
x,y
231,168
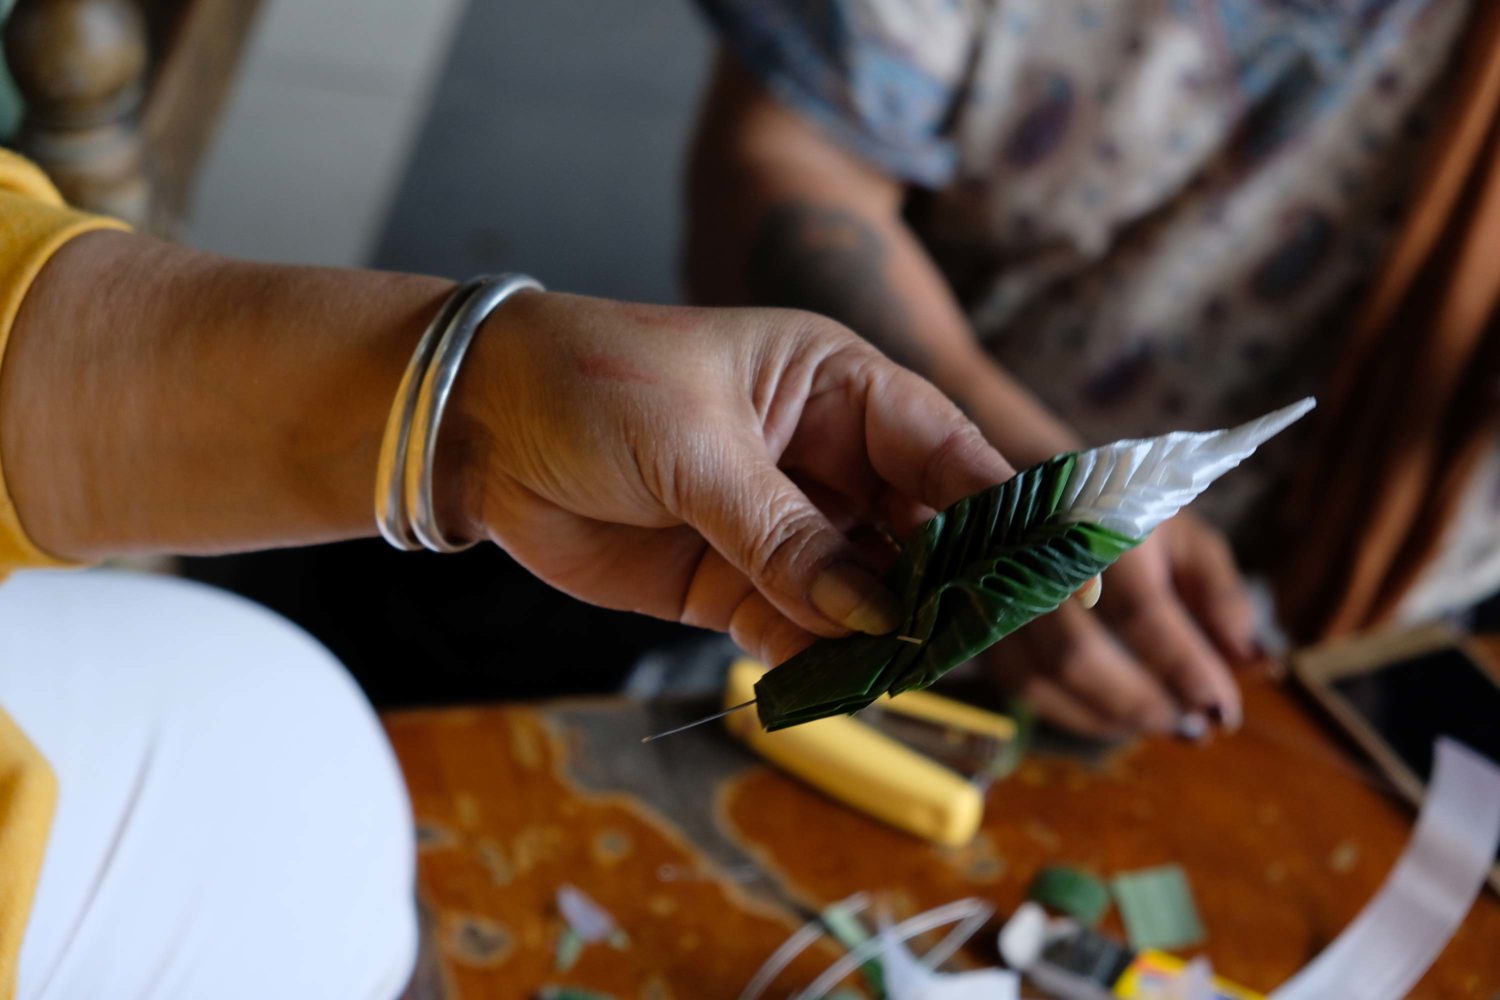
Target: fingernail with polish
x,y
852,596
1225,717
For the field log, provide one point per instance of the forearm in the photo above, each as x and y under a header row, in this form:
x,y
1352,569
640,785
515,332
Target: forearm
x,y
154,398
781,216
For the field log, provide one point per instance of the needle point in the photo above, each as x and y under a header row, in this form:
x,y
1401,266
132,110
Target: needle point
x,y
698,722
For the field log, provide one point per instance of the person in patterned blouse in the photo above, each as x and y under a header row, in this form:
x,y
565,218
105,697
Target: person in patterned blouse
x,y
1087,220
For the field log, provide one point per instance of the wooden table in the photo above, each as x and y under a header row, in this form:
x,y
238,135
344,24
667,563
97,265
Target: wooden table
x,y
710,860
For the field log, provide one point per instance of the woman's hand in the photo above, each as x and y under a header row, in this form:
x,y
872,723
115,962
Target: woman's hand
x,y
1173,618
666,460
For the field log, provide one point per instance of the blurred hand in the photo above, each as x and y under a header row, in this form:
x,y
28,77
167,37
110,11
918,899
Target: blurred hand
x,y
662,460
1173,617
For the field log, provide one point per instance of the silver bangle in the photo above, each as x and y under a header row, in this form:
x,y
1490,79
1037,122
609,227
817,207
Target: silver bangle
x,y
432,399
390,504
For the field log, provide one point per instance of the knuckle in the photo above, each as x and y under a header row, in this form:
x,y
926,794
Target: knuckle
x,y
816,328
1134,614
1076,664
783,541
1217,553
963,440
1145,714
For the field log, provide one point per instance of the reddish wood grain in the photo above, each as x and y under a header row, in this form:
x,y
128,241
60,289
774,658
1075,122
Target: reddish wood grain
x,y
501,830
1284,835
1283,832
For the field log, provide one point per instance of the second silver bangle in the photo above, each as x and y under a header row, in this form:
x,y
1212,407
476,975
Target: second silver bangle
x,y
391,515
432,399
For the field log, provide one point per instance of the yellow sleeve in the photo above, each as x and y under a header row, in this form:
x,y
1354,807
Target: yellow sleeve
x,y
34,223
28,796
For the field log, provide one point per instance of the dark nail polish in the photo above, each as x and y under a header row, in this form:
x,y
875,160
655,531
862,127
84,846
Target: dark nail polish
x,y
1216,714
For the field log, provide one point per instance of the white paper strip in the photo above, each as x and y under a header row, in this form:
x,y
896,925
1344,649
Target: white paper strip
x,y
1132,486
1403,929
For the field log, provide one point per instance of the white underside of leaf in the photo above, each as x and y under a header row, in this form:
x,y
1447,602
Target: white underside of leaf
x,y
1132,486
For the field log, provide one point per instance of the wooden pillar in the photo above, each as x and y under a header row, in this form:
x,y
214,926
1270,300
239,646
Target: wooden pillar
x,y
81,66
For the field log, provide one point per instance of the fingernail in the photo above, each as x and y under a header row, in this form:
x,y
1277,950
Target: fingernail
x,y
853,597
1226,717
1192,726
1088,594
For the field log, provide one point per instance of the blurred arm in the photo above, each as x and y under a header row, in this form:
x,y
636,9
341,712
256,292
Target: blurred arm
x,y
154,398
780,215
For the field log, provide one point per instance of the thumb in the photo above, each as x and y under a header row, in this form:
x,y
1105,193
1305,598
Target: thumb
x,y
768,529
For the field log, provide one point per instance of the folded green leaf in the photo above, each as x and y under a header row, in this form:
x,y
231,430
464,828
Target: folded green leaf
x,y
973,574
996,560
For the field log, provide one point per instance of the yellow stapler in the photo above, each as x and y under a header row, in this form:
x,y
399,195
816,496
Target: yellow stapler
x,y
873,772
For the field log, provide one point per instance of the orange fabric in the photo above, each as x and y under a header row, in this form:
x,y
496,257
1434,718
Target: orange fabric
x,y
1412,403
34,223
28,797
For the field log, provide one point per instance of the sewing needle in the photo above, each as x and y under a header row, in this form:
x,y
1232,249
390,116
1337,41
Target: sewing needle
x,y
698,722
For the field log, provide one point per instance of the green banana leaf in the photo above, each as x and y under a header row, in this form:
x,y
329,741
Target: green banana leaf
x,y
970,576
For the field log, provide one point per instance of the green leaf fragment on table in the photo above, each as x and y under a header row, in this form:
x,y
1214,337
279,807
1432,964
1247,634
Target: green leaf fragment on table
x,y
970,576
848,931
570,993
1156,906
569,947
1072,892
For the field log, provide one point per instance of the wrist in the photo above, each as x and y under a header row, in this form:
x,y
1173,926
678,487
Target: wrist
x,y
481,428
158,399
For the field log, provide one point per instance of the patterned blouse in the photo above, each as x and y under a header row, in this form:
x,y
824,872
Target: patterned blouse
x,y
1150,209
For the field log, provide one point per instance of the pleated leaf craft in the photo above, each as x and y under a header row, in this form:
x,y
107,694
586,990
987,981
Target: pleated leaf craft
x,y
998,559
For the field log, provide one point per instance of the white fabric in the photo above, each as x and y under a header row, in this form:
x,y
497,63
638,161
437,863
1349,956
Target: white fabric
x,y
1133,486
231,821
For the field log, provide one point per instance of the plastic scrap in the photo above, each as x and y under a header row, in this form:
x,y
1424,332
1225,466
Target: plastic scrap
x,y
908,979
590,921
966,915
1073,892
1402,930
1195,983
1157,908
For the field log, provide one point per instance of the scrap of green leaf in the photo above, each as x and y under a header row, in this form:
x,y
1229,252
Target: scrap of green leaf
x,y
569,947
1072,892
1156,905
848,931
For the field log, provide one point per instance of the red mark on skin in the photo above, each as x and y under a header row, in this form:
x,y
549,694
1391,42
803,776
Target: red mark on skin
x,y
682,318
608,369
